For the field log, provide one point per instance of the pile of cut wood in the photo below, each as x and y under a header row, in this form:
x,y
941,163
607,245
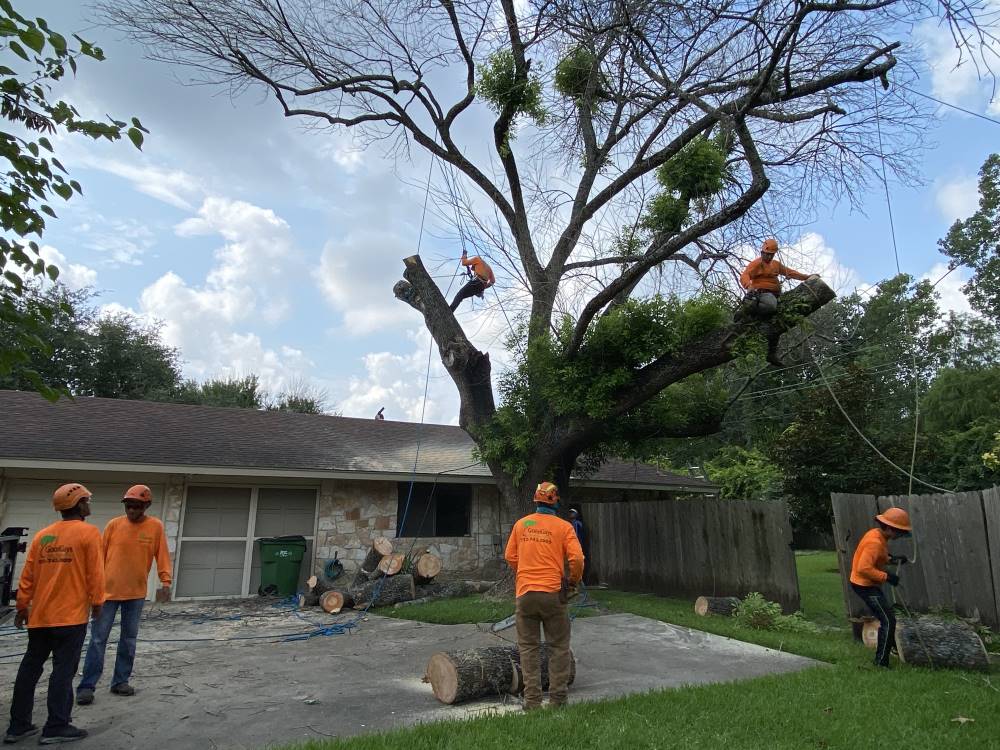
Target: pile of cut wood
x,y
387,578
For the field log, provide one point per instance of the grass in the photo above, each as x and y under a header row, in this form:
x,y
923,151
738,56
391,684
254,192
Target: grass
x,y
848,705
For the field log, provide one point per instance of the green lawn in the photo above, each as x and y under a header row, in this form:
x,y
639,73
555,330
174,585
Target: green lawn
x,y
849,705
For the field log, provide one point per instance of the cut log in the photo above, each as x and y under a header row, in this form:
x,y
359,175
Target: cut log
x,y
369,567
391,564
457,676
941,644
384,591
869,632
715,605
334,601
426,567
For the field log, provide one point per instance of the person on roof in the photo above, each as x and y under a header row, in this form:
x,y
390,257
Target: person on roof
x,y
131,543
868,573
540,548
61,587
482,279
760,279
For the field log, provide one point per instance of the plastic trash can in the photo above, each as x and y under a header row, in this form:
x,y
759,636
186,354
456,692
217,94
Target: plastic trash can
x,y
280,564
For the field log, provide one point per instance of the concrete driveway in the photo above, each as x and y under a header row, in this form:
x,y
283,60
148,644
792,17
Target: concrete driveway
x,y
208,682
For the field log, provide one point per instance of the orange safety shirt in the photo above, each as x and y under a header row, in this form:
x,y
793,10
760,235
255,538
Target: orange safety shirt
x,y
63,576
870,559
538,548
481,269
129,550
764,276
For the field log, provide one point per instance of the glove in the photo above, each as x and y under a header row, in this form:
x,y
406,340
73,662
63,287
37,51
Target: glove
x,y
898,559
892,578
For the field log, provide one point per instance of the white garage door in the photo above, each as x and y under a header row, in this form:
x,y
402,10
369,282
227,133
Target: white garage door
x,y
29,503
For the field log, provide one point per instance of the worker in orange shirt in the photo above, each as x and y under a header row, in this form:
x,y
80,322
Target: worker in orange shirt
x,y
131,543
539,549
760,279
61,586
482,279
868,573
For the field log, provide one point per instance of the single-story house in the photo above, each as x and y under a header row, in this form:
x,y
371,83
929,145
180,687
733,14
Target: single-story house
x,y
224,477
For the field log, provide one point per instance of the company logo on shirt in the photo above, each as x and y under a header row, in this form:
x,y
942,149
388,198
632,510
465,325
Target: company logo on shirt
x,y
145,538
46,540
50,552
529,522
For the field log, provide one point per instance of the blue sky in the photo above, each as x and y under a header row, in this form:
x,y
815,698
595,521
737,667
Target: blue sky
x,y
265,248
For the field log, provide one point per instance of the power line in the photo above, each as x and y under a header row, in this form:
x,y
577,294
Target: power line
x,y
949,104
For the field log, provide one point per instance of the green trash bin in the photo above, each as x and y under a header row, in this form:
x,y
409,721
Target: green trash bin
x,y
280,564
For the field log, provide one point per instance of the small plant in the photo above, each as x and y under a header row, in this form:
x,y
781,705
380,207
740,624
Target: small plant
x,y
500,85
666,214
697,171
574,74
757,613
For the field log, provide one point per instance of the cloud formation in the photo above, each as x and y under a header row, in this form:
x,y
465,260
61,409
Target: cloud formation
x,y
957,198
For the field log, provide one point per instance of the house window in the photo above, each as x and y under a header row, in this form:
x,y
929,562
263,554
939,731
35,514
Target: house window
x,y
435,509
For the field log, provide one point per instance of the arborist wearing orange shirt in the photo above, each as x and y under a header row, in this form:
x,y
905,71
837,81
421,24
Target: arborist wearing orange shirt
x,y
760,278
61,586
539,549
868,573
131,543
482,279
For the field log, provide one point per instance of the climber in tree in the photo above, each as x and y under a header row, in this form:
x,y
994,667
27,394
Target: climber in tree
x,y
482,279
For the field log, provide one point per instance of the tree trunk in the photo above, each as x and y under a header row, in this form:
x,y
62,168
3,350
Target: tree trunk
x,y
384,591
457,676
941,644
317,587
426,567
390,564
379,549
334,601
715,605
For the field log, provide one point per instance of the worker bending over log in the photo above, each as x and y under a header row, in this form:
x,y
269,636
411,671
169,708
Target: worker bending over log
x,y
868,573
61,586
760,279
131,542
539,548
482,278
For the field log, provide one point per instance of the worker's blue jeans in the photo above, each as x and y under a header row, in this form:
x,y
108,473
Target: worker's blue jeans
x,y
93,667
875,600
64,645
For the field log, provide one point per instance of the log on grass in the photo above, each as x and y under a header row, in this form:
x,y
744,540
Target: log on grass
x,y
384,591
390,564
716,605
369,567
425,567
941,644
457,676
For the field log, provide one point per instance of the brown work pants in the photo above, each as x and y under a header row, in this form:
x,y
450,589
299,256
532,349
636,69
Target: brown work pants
x,y
536,610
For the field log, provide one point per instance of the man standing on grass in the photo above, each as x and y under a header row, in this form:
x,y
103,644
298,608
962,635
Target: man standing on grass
x,y
539,548
62,584
131,543
868,573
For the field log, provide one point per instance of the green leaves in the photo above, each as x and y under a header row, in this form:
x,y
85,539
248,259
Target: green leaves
x,y
33,38
501,86
696,172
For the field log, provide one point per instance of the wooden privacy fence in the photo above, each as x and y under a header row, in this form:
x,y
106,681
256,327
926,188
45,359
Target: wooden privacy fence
x,y
956,542
690,548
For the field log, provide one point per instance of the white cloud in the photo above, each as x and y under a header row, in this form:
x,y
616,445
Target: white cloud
x,y
73,275
957,198
954,77
171,186
949,287
811,254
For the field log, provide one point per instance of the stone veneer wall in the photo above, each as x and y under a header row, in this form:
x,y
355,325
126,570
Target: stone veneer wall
x,y
354,512
173,499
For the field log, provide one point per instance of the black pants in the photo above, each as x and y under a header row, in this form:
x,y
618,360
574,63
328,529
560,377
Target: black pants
x,y
474,288
876,602
64,644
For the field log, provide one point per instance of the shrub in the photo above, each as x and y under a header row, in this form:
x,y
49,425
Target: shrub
x,y
757,613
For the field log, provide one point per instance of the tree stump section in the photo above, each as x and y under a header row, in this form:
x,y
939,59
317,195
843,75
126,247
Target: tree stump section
x,y
716,605
384,591
318,586
940,644
544,654
369,567
334,601
391,564
457,676
426,567
869,632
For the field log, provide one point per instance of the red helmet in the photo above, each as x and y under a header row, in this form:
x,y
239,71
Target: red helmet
x,y
547,494
69,495
139,492
770,246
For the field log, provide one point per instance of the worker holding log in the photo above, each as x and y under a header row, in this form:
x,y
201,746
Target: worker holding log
x,y
540,548
61,586
130,542
868,573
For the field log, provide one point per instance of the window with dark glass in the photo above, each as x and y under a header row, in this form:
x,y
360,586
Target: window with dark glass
x,y
435,509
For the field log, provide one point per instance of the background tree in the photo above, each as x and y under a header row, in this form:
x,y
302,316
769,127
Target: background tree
x,y
34,175
659,153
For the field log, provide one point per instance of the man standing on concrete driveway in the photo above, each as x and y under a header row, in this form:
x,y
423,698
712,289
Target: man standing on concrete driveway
x,y
62,584
539,548
131,543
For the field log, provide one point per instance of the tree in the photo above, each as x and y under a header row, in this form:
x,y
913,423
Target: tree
x,y
130,361
974,243
240,392
658,154
744,474
34,175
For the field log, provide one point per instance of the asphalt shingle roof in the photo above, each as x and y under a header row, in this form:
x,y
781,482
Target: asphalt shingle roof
x,y
117,431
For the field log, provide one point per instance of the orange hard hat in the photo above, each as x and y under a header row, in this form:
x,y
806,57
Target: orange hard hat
x,y
547,493
139,492
770,246
69,495
897,518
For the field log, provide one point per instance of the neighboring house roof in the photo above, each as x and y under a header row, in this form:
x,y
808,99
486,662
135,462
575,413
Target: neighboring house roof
x,y
180,438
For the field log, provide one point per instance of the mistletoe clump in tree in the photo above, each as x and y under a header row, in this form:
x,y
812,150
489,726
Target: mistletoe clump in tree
x,y
628,137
